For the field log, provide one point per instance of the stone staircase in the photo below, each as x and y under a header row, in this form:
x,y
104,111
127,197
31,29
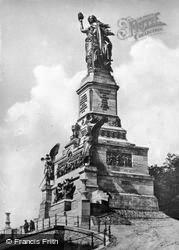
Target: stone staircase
x,y
124,217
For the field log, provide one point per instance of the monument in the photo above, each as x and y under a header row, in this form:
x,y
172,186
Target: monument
x,y
7,222
99,169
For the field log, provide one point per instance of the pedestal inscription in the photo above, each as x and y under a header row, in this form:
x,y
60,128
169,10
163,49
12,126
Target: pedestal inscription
x,y
83,103
104,101
104,94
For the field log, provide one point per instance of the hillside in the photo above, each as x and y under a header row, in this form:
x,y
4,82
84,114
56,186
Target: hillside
x,y
153,234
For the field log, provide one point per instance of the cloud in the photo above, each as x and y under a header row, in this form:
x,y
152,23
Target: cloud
x,y
29,131
148,99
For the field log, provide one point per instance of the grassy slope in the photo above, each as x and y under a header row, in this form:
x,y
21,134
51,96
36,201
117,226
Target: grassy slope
x,y
147,234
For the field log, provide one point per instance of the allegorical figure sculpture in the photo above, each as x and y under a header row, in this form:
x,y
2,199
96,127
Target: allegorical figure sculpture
x,y
64,190
97,44
49,164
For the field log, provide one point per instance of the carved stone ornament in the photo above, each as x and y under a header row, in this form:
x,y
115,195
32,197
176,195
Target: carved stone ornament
x,y
64,190
116,158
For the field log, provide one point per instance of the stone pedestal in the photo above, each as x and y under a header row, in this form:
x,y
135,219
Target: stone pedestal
x,y
123,174
85,211
106,170
46,201
7,222
121,166
88,177
60,207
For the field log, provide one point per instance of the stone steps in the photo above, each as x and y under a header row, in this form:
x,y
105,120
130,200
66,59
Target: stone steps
x,y
123,217
139,214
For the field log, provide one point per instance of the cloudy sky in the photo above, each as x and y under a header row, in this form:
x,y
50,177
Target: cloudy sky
x,y
41,65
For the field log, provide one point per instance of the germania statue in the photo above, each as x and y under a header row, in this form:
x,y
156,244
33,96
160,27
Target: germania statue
x,y
97,44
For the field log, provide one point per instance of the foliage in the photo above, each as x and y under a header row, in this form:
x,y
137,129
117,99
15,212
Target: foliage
x,y
169,166
166,184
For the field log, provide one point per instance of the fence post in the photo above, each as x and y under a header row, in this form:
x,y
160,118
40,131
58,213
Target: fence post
x,y
89,222
92,241
104,239
66,221
105,225
109,230
49,222
55,219
12,234
78,221
98,225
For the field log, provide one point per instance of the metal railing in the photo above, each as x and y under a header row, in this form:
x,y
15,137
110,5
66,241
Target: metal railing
x,y
95,232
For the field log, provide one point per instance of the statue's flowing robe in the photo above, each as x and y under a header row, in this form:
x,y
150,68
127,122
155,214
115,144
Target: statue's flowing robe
x,y
98,46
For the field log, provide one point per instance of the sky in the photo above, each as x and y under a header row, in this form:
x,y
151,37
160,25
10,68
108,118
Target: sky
x,y
42,61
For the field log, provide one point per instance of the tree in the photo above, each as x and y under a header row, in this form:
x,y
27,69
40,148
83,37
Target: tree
x,y
166,183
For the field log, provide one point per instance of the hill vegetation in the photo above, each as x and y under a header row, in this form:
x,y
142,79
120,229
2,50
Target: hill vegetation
x,y
166,185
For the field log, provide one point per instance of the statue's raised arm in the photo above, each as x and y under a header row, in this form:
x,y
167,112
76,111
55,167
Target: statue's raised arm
x,y
97,44
80,18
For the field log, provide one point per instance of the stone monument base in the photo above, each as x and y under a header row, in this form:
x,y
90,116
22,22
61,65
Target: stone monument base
x,y
46,201
134,202
60,207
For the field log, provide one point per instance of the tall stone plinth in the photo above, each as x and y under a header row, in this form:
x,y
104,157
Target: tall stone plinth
x,y
122,167
7,222
46,201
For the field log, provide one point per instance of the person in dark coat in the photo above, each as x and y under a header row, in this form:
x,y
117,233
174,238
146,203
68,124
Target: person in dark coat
x,y
32,225
26,226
